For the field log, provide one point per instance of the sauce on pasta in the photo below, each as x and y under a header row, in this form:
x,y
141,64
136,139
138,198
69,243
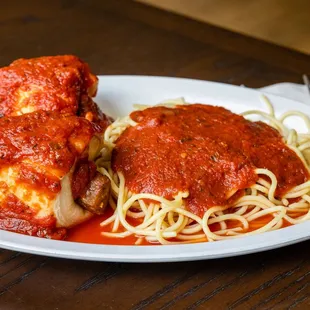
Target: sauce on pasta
x,y
208,151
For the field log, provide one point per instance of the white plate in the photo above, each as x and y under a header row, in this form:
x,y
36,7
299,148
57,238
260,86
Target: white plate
x,y
115,96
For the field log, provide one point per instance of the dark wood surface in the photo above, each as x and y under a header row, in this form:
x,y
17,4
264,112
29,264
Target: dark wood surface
x,y
122,37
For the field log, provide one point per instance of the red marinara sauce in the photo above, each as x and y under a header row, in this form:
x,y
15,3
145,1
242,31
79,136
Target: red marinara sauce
x,y
206,150
49,140
17,217
41,147
51,83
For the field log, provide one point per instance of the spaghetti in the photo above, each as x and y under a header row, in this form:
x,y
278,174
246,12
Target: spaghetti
x,y
261,200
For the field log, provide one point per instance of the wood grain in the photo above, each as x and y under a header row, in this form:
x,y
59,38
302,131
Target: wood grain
x,y
122,37
284,22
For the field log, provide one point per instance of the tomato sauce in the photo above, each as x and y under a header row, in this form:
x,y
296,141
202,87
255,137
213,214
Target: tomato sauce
x,y
54,83
17,217
41,181
208,151
90,232
41,148
48,139
46,83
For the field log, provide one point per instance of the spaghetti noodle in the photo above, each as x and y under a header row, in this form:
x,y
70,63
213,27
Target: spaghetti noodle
x,y
268,203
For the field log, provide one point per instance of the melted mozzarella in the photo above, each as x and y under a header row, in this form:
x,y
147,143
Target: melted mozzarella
x,y
61,206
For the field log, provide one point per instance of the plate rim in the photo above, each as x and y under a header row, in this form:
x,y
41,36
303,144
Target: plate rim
x,y
185,252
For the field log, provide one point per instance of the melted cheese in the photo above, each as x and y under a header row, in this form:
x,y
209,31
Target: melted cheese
x,y
22,97
62,206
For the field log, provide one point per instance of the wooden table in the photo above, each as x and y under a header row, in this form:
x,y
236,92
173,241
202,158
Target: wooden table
x,y
121,37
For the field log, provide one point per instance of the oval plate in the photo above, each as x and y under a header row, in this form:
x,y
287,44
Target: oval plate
x,y
116,95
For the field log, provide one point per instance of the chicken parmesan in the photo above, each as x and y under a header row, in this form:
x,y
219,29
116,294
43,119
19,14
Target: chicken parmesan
x,y
48,179
53,83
